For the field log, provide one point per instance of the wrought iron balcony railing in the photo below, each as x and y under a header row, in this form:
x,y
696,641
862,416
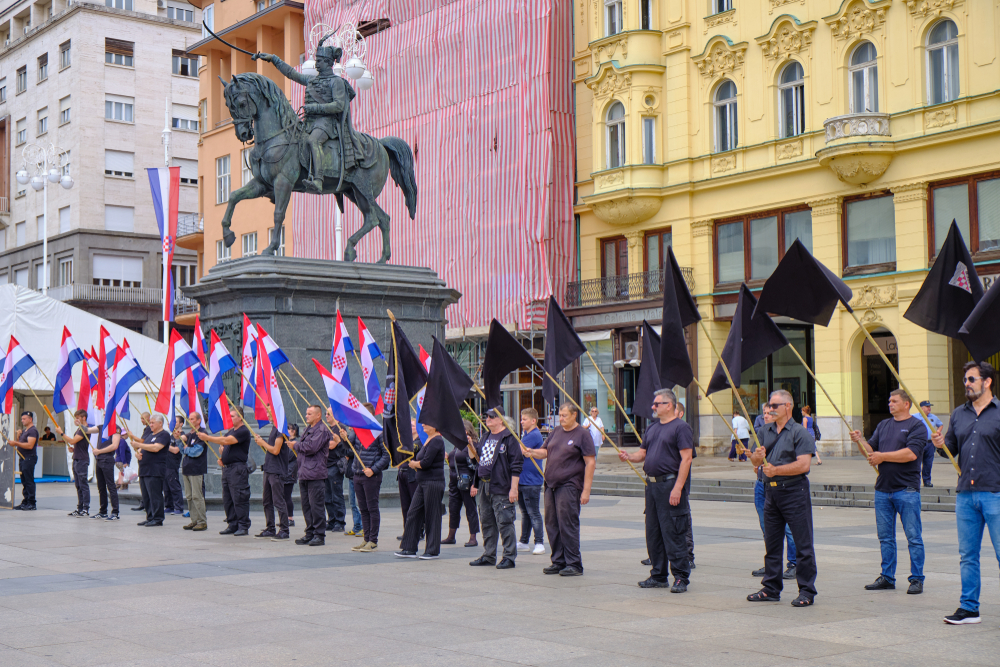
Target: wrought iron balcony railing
x,y
620,289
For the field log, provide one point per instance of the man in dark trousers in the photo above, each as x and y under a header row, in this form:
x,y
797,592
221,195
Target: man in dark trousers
x,y
494,485
571,457
194,467
406,477
275,467
666,455
173,495
785,454
425,508
336,508
79,444
235,446
144,420
927,456
313,449
152,465
973,438
895,448
24,442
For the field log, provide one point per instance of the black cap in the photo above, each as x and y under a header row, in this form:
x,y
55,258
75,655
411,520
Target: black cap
x,y
926,404
493,412
28,413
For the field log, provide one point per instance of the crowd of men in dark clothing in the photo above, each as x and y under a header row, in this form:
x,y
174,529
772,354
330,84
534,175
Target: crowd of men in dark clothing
x,y
493,473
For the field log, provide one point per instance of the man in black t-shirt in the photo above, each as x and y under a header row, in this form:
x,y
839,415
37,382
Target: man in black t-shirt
x,y
153,449
173,495
666,454
276,456
235,446
194,467
25,441
79,445
144,420
896,447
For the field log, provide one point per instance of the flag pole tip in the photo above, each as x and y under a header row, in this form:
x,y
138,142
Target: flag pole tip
x,y
391,316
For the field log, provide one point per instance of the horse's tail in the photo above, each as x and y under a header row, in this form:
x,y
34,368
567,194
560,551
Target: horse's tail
x,y
401,168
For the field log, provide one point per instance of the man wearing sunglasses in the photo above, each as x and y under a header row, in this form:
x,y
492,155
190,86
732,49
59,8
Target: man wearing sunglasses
x,y
666,454
973,438
785,453
495,482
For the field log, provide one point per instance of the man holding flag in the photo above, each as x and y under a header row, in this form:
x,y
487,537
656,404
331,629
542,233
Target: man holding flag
x,y
25,440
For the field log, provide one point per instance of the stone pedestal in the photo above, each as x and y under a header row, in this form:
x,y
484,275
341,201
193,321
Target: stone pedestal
x,y
296,301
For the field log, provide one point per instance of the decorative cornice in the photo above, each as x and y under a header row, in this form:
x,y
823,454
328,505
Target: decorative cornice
x,y
720,57
858,18
723,164
941,116
702,227
604,50
722,18
904,192
616,177
633,236
790,149
826,206
922,8
778,3
870,297
609,81
786,37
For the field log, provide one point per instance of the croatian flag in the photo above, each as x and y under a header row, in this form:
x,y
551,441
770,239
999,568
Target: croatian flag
x,y
124,374
219,362
165,184
270,357
180,358
69,356
94,369
348,410
88,380
338,355
248,362
189,395
369,353
201,349
106,355
425,359
18,361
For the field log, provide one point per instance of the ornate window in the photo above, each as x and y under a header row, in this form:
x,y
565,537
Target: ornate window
x,y
616,136
612,17
864,79
942,63
791,100
726,133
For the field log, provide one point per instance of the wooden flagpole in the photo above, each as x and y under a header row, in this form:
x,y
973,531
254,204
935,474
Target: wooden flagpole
x,y
614,396
732,385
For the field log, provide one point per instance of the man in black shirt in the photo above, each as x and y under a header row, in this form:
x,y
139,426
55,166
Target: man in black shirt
x,y
25,441
494,485
666,455
173,496
895,448
194,467
788,449
151,468
79,444
973,438
235,445
275,467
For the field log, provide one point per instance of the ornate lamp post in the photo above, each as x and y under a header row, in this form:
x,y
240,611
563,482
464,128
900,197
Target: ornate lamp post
x,y
51,166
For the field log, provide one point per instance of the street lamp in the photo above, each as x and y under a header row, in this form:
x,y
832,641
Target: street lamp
x,y
51,165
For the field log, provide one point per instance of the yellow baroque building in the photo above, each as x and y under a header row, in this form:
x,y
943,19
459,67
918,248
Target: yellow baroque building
x,y
729,128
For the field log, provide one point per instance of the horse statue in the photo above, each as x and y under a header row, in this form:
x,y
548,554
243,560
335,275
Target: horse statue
x,y
320,154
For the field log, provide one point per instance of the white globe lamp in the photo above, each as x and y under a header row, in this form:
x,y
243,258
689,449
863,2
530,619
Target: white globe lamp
x,y
366,81
66,181
22,177
37,182
355,68
309,68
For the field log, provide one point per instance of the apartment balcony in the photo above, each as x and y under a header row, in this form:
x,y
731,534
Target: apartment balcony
x,y
151,297
190,231
621,289
626,195
856,148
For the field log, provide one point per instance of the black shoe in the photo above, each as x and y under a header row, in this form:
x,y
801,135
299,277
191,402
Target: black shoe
x,y
266,533
552,569
140,508
481,561
304,540
789,573
74,513
505,564
227,531
242,532
280,537
916,588
679,587
962,617
648,561
763,596
880,584
151,524
429,556
654,583
112,517
691,562
400,538
405,554
447,541
759,573
100,515
802,601
928,485
317,541
569,572
291,522
29,508
338,528
142,523
18,507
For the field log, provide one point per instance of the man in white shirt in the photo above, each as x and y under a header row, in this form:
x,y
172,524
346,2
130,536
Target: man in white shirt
x,y
596,427
742,428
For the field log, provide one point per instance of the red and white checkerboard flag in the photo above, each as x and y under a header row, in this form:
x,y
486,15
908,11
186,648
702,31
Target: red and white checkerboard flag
x,y
338,355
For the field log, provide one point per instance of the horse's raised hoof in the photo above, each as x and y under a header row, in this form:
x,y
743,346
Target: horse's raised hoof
x,y
267,251
228,238
350,254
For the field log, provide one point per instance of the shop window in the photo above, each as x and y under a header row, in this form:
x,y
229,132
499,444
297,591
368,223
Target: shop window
x,y
869,230
942,63
974,204
749,248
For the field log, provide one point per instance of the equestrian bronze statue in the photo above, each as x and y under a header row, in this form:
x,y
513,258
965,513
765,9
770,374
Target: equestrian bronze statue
x,y
319,154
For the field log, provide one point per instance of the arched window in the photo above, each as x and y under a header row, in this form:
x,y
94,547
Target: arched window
x,y
864,79
791,100
942,63
616,135
726,136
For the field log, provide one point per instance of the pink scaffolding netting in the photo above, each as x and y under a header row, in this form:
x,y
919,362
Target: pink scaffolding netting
x,y
481,90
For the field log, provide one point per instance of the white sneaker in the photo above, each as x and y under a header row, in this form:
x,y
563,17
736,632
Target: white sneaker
x,y
539,549
523,546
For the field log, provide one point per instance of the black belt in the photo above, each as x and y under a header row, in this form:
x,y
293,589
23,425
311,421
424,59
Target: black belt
x,y
661,478
781,484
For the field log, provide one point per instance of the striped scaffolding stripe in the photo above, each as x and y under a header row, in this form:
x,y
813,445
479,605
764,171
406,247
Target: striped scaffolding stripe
x,y
481,90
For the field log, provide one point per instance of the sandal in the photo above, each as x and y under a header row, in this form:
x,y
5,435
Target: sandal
x,y
763,596
802,601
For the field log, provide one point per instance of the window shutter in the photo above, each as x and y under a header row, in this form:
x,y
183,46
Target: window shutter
x,y
119,161
189,168
119,218
118,46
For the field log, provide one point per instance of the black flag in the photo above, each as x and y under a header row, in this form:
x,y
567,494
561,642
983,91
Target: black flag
x,y
802,288
950,291
503,356
679,310
980,332
562,347
408,376
648,381
448,386
752,337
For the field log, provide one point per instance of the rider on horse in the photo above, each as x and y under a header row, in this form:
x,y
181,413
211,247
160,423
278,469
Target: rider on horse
x,y
327,103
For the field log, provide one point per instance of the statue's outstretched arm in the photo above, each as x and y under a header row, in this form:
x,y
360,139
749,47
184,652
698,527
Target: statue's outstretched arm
x,y
283,67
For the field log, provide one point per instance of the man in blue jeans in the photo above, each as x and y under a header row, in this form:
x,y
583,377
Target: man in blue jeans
x,y
973,438
895,448
758,503
530,486
928,454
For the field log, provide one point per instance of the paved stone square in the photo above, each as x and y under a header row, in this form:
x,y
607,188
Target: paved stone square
x,y
84,592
